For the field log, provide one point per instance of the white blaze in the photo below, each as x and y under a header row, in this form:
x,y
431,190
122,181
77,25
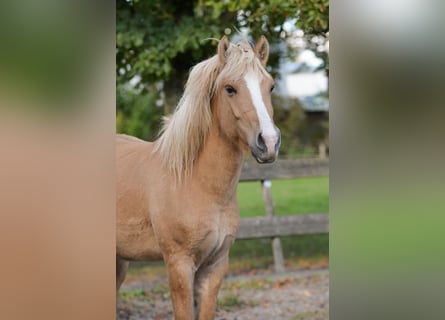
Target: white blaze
x,y
267,128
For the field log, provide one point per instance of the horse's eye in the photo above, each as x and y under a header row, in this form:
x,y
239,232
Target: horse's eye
x,y
230,90
271,88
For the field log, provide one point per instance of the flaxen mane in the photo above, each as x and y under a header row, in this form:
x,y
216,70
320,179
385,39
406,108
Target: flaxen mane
x,y
185,132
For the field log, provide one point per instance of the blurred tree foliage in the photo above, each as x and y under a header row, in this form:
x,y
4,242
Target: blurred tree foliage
x,y
157,42
137,114
289,118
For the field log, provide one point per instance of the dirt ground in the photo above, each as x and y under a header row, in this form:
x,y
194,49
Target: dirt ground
x,y
294,295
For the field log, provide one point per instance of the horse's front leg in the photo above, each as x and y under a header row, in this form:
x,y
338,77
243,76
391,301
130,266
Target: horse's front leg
x,y
181,273
207,283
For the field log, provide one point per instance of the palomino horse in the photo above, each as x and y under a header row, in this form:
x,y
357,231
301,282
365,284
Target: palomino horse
x,y
176,197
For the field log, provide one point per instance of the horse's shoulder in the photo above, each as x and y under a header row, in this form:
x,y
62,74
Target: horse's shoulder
x,y
131,148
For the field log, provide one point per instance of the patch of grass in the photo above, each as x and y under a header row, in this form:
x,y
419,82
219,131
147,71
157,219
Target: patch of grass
x,y
230,301
130,294
304,246
298,250
290,196
162,289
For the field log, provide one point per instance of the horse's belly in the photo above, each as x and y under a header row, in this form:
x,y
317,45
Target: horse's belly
x,y
135,241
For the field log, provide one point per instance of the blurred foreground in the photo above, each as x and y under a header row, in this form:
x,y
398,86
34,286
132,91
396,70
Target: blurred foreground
x,y
294,295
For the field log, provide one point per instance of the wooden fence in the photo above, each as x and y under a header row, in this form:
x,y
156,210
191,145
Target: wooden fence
x,y
275,226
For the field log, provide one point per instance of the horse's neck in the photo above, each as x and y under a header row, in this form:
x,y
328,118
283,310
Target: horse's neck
x,y
219,164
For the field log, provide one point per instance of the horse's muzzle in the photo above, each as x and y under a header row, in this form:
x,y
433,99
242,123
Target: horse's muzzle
x,y
266,147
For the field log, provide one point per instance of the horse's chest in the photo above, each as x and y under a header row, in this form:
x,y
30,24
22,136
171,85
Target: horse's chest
x,y
219,237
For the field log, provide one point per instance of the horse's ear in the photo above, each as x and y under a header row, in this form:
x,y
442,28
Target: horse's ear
x,y
222,48
262,50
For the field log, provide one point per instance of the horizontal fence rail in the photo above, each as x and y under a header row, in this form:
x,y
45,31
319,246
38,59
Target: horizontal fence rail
x,y
282,169
277,226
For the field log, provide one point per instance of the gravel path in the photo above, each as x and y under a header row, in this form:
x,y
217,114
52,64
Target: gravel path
x,y
294,295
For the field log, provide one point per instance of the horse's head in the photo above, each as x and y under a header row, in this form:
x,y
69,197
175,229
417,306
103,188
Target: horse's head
x,y
243,91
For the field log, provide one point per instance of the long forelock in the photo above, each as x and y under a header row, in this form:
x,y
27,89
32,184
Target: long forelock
x,y
240,58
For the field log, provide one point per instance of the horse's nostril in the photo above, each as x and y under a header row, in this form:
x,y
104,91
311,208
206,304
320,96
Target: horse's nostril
x,y
260,142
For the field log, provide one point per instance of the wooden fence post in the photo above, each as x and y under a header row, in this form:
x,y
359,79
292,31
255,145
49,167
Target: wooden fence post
x,y
277,249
